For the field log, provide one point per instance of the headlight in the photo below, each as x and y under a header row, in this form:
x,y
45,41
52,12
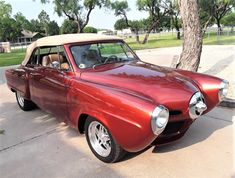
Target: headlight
x,y
159,119
223,89
197,105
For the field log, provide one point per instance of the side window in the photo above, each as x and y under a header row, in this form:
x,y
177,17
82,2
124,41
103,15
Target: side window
x,y
34,57
54,57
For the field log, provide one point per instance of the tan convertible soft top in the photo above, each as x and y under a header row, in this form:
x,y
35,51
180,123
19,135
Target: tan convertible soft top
x,y
65,39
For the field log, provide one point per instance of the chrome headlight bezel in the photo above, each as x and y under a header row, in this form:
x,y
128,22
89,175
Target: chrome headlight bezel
x,y
223,90
159,119
197,105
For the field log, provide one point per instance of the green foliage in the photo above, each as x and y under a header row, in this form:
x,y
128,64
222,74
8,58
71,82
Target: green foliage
x,y
120,24
5,9
212,11
229,19
22,22
53,28
36,26
9,29
120,7
136,25
44,20
90,30
68,26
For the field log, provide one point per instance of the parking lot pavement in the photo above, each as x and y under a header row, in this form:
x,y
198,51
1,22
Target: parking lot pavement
x,y
36,145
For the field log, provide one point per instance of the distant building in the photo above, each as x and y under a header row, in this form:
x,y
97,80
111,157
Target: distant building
x,y
28,36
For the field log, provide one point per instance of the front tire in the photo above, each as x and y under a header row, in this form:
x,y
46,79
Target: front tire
x,y
101,142
24,104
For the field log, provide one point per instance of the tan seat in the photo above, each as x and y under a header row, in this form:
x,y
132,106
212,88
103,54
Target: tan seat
x,y
64,66
46,61
56,57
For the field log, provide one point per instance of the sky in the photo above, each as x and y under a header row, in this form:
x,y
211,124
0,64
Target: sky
x,y
100,18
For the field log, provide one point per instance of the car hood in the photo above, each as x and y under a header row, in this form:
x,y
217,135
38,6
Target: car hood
x,y
161,85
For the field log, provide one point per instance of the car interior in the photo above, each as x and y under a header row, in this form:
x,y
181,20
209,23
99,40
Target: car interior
x,y
46,56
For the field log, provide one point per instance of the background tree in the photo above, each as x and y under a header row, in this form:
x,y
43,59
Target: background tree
x,y
120,24
9,30
22,22
157,10
212,11
44,20
175,19
120,9
90,30
5,9
136,26
192,45
229,20
221,8
53,28
36,26
77,11
68,26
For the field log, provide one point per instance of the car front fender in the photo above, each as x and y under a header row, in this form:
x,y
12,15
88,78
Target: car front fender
x,y
127,117
209,86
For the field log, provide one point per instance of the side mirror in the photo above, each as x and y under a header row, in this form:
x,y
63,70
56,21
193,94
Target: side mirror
x,y
55,65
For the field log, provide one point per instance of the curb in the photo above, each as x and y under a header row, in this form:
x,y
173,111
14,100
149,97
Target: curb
x,y
228,102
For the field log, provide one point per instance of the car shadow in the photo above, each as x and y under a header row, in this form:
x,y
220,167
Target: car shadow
x,y
220,66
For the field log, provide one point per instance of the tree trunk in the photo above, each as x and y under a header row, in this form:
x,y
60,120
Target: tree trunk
x,y
137,36
206,25
178,34
178,31
149,31
192,45
218,25
146,37
79,27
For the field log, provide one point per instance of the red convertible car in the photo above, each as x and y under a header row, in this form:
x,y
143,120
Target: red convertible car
x,y
98,85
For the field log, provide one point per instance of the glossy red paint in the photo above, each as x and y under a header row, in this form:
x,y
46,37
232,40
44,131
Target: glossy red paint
x,y
121,95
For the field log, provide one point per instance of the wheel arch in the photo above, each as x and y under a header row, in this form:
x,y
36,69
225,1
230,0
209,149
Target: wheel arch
x,y
81,122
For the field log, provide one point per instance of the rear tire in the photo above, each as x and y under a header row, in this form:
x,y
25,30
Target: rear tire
x,y
101,142
24,104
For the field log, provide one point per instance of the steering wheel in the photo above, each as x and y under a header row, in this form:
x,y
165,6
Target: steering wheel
x,y
111,57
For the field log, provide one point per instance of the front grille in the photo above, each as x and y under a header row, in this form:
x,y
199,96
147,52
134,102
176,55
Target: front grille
x,y
173,127
175,112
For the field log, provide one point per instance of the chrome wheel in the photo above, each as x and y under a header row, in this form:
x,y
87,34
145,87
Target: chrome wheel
x,y
99,138
20,99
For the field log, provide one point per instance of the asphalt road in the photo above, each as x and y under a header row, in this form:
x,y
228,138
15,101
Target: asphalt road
x,y
35,144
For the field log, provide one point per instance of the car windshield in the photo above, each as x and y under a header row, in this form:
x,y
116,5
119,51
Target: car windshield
x,y
91,55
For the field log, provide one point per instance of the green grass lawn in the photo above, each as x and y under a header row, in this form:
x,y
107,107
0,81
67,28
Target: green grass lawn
x,y
161,41
155,41
13,58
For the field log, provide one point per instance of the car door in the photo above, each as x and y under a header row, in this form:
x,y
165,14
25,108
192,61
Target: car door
x,y
49,87
53,91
